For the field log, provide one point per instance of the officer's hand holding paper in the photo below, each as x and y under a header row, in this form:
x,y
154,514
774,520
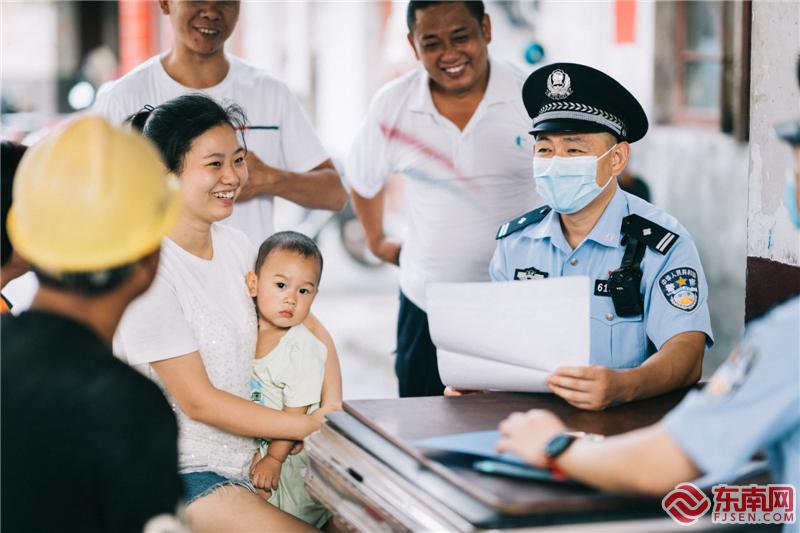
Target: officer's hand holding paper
x,y
509,335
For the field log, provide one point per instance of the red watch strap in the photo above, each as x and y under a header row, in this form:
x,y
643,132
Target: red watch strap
x,y
558,474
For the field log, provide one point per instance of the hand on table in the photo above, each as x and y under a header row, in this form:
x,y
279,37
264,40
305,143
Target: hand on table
x,y
526,435
587,387
320,413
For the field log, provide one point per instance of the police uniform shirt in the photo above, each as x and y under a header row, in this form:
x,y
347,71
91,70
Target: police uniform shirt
x,y
673,285
752,402
460,185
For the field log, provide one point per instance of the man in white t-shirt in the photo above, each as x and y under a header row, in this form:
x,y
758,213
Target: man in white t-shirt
x,y
456,129
285,156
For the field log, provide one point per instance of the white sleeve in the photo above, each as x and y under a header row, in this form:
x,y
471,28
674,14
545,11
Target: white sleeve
x,y
154,326
108,106
368,166
302,149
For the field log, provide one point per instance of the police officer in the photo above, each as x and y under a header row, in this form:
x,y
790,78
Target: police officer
x,y
752,402
649,312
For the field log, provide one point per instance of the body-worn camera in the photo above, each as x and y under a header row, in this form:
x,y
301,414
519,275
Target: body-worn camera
x,y
623,284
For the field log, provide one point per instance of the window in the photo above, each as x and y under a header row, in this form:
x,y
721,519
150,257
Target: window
x,y
702,65
699,57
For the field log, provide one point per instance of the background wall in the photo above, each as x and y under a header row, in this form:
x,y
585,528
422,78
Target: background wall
x,y
774,98
773,245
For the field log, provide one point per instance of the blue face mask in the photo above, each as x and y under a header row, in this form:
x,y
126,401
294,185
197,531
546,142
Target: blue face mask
x,y
568,184
790,199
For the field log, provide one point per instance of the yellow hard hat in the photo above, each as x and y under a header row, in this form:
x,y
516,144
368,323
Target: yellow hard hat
x,y
91,197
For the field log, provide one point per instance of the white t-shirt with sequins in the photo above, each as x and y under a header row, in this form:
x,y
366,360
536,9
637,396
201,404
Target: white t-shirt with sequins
x,y
199,305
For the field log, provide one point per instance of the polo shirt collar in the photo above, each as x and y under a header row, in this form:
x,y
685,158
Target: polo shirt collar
x,y
501,88
421,99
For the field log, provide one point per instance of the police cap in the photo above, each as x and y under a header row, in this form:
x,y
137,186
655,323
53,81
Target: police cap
x,y
568,97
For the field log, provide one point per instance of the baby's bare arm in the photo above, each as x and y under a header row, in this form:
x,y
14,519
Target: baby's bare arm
x,y
279,449
332,382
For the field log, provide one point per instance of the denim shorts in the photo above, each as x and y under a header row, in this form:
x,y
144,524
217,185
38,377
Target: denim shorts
x,y
199,484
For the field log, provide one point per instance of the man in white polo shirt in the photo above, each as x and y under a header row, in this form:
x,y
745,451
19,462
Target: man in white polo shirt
x,y
285,156
456,129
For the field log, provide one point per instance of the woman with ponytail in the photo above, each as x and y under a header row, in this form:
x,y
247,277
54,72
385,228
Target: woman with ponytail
x,y
194,332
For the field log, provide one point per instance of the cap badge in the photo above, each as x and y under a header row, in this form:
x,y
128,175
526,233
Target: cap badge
x,y
558,85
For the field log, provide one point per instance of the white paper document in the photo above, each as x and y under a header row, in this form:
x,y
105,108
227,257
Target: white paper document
x,y
509,335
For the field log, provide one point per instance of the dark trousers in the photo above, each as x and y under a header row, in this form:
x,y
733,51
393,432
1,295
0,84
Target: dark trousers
x,y
415,366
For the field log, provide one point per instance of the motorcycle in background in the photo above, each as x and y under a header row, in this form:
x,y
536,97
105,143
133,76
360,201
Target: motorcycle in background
x,y
349,228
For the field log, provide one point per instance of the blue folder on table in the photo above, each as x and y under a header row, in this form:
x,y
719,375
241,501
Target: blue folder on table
x,y
479,443
481,449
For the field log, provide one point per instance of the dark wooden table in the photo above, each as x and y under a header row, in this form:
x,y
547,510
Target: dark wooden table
x,y
405,420
421,418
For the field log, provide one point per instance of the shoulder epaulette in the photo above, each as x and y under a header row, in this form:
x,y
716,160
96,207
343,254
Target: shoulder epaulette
x,y
656,237
531,217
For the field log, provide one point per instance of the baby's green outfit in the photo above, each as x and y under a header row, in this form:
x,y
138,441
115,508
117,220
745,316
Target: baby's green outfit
x,y
291,376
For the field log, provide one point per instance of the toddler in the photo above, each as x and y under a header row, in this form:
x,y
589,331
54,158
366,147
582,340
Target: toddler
x,y
289,362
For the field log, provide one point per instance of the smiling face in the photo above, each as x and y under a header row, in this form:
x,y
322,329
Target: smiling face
x,y
212,174
452,46
284,288
201,27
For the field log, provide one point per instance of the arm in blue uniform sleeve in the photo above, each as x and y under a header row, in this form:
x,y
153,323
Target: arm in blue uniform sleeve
x,y
669,309
751,402
497,266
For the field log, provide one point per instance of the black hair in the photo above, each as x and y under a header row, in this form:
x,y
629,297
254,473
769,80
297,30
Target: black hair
x,y
175,124
86,283
475,8
291,241
9,161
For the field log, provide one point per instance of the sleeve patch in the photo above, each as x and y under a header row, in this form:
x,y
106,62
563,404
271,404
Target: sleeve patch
x,y
679,286
734,371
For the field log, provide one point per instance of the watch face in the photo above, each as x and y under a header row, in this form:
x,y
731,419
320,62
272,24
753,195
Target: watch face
x,y
558,444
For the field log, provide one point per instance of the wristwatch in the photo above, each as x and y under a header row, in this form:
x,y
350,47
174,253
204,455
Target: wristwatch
x,y
554,448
